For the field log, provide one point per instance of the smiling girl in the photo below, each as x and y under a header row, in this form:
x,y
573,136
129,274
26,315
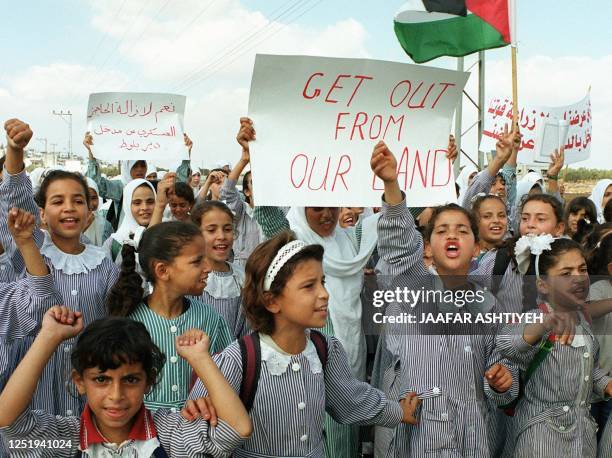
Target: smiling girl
x,y
490,211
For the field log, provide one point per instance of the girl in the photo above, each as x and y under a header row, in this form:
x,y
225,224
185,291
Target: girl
x,y
284,297
601,195
349,216
248,232
222,292
114,364
552,418
214,182
490,211
98,229
181,202
82,274
171,258
440,367
579,208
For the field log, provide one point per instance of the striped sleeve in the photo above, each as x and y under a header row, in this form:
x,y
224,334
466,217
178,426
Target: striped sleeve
x,y
495,357
508,172
109,189
350,401
180,437
229,195
512,345
230,365
482,184
40,425
271,219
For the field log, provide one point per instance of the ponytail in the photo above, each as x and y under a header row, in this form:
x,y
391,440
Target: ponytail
x,y
127,292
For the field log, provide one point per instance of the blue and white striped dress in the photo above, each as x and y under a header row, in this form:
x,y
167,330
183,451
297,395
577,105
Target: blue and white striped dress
x,y
293,394
446,371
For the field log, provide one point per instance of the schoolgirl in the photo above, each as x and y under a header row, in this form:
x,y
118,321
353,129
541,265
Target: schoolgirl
x,y
600,196
552,418
490,212
211,189
285,298
453,375
98,228
114,364
82,274
171,258
579,208
181,202
225,280
247,231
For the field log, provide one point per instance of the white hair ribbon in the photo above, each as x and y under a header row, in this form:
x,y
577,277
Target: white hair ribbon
x,y
528,245
281,258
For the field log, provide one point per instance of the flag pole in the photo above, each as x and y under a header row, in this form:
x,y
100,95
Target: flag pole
x,y
513,38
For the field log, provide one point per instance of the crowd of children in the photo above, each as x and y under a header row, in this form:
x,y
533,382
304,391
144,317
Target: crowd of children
x,y
187,321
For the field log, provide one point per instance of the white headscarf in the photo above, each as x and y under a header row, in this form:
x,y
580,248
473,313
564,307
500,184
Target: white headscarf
x,y
343,263
126,171
597,197
129,225
463,180
525,184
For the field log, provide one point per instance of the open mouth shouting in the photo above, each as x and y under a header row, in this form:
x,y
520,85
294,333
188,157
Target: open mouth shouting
x,y
451,248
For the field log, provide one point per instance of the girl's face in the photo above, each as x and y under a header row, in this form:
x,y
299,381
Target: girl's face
x,y
94,200
607,196
180,208
143,204
218,231
492,221
347,217
573,218
539,218
66,211
115,396
499,188
322,220
303,301
189,271
452,243
139,170
566,284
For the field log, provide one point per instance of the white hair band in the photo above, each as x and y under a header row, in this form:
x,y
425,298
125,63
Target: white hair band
x,y
281,258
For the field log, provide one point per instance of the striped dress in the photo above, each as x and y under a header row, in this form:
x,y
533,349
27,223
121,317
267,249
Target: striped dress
x,y
553,418
293,394
445,370
175,381
85,292
7,273
222,293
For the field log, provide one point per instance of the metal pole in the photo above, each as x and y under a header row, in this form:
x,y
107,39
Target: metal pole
x,y
458,117
481,105
61,114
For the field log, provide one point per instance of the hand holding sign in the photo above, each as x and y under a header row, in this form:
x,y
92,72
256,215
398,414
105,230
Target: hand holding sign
x,y
245,135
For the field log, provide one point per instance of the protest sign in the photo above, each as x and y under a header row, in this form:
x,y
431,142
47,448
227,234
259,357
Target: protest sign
x,y
318,120
130,125
578,116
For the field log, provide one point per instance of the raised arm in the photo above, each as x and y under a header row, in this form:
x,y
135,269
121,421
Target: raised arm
x,y
59,324
556,164
165,189
183,172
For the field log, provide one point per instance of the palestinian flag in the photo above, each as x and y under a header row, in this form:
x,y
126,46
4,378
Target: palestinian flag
x,y
434,28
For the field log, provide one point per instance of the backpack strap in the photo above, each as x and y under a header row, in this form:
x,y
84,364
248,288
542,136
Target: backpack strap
x,y
115,249
159,452
250,348
320,343
502,261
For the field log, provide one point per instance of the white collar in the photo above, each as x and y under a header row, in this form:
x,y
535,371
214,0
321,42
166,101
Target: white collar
x,y
127,449
90,258
221,285
277,360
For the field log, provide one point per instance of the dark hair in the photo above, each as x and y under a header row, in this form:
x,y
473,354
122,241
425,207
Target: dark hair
x,y
601,256
608,212
110,342
254,298
583,231
56,175
245,186
446,208
581,203
162,242
184,191
547,199
547,260
2,160
481,199
203,207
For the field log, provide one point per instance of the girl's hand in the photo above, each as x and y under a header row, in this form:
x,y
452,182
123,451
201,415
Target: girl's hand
x,y
188,143
200,408
192,344
88,143
505,144
556,162
245,135
21,225
451,154
409,405
215,177
499,378
18,134
61,323
165,189
383,163
562,324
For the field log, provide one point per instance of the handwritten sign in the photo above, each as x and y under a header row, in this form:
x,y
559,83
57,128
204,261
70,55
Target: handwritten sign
x,y
578,116
136,126
318,120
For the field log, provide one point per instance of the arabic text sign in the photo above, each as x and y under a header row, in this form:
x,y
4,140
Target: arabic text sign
x,y
136,126
578,115
318,120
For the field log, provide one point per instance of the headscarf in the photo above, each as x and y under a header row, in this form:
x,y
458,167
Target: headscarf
x,y
343,261
95,231
525,184
126,171
597,197
463,180
129,225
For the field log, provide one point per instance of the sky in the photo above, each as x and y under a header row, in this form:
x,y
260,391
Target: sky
x,y
55,54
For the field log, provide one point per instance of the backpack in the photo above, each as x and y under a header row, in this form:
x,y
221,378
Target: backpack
x,y
114,213
250,348
502,261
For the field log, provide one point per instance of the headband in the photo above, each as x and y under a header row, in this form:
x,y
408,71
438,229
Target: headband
x,y
281,258
528,245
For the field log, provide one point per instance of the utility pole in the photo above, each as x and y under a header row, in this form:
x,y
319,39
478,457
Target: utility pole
x,y
67,118
44,140
53,145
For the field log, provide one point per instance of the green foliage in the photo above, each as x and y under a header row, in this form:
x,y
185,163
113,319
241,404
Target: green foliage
x,y
583,174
